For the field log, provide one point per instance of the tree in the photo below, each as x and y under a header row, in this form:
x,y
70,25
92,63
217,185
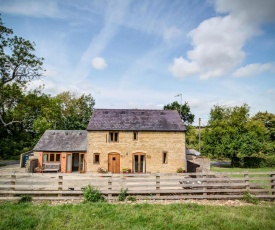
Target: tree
x,y
268,121
232,134
186,116
75,111
18,66
183,110
19,137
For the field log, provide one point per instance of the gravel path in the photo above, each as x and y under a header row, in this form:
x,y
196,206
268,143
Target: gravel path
x,y
235,203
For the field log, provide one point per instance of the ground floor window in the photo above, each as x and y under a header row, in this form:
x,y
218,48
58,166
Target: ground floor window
x,y
51,157
96,158
164,158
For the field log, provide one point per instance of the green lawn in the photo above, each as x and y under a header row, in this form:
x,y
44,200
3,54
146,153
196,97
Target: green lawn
x,y
135,216
229,169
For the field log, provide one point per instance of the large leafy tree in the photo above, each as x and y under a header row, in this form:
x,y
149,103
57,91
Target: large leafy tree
x,y
18,66
75,111
187,117
65,111
183,110
231,133
268,121
25,115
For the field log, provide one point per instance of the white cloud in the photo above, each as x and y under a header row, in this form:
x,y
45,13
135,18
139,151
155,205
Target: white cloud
x,y
99,63
182,68
113,17
250,11
254,69
31,8
218,41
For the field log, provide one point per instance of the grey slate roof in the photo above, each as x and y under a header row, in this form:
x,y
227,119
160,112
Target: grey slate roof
x,y
135,120
63,140
192,152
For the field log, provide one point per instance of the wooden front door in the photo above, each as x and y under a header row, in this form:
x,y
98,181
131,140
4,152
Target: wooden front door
x,y
114,163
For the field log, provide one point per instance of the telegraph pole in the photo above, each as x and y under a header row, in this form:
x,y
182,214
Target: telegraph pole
x,y
199,134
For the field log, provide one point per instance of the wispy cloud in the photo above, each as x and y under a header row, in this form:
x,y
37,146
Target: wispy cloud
x,y
254,69
32,8
113,18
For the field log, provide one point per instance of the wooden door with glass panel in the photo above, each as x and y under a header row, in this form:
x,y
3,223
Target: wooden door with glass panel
x,y
81,165
114,163
139,163
75,162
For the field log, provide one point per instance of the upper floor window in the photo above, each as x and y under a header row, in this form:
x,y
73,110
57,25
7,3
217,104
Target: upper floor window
x,y
135,136
113,136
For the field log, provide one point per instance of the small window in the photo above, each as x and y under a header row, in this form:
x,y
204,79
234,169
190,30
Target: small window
x,y
113,136
164,158
52,157
96,158
45,158
57,157
135,136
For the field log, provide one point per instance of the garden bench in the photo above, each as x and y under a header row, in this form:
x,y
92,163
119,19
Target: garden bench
x,y
50,167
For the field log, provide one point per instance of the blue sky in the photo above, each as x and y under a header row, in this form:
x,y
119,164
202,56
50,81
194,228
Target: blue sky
x,y
141,54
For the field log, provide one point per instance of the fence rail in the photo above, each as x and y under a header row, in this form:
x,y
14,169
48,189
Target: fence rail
x,y
142,186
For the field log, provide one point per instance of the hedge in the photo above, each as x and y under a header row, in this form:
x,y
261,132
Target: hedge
x,y
259,162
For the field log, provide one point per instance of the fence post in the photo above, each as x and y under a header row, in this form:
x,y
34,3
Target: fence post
x,y
246,176
158,183
12,183
60,184
110,188
204,187
272,181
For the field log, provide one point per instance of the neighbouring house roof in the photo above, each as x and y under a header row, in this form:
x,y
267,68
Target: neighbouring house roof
x,y
63,140
192,152
135,120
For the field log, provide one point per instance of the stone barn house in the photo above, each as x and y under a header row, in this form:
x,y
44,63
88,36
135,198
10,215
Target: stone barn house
x,y
118,140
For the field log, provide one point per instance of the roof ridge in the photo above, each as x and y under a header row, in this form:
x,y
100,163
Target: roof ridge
x,y
138,109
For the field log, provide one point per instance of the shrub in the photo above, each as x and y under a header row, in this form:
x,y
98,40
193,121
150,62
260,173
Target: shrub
x,y
92,194
25,199
253,162
181,170
270,161
249,198
102,170
122,194
131,198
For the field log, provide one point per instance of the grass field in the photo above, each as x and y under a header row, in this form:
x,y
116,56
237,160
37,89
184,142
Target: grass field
x,y
229,169
135,216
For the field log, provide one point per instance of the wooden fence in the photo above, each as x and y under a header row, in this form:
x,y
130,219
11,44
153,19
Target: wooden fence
x,y
143,186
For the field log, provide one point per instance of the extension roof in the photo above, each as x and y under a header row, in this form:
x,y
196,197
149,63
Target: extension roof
x,y
135,120
63,141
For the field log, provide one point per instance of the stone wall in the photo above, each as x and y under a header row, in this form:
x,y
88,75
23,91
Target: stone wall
x,y
198,164
152,144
